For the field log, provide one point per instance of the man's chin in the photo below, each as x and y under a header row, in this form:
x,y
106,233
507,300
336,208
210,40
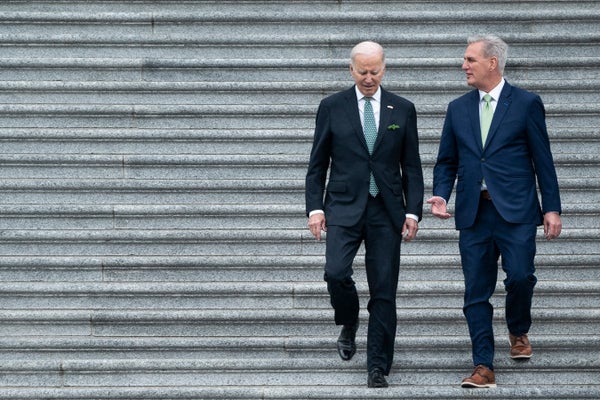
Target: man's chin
x,y
369,91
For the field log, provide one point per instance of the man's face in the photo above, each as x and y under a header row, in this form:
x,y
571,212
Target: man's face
x,y
367,72
479,70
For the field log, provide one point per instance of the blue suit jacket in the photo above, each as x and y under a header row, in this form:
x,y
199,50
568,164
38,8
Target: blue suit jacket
x,y
339,143
517,150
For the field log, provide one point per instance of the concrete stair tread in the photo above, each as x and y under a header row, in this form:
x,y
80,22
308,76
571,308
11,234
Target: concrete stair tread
x,y
318,346
442,288
154,242
355,391
284,316
306,373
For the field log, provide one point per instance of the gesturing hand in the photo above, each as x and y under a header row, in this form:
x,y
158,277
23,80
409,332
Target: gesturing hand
x,y
438,207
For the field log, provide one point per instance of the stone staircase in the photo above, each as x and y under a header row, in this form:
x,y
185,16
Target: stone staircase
x,y
153,238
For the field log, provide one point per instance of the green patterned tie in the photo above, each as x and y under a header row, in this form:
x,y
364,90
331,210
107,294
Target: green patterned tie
x,y
486,118
370,130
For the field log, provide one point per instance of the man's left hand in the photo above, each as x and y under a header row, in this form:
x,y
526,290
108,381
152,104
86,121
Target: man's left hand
x,y
410,229
552,225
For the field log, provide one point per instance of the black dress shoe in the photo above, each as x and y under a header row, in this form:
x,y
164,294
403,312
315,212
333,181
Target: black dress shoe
x,y
377,379
346,344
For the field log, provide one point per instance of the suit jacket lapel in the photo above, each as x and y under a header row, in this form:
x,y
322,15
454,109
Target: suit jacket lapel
x,y
473,111
385,114
501,108
354,116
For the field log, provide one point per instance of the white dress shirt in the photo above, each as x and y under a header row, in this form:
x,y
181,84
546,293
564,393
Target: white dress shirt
x,y
495,93
375,102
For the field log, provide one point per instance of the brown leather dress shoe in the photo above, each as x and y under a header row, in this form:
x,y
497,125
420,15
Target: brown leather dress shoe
x,y
482,377
520,347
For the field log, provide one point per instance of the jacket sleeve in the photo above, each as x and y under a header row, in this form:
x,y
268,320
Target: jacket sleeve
x,y
412,172
446,166
319,161
539,147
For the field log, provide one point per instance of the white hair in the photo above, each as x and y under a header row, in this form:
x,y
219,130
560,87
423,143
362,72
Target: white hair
x,y
493,46
368,48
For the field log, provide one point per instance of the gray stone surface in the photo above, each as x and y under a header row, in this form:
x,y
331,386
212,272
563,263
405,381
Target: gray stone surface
x,y
153,241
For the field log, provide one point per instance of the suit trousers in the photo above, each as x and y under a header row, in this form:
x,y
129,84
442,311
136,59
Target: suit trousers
x,y
382,261
481,245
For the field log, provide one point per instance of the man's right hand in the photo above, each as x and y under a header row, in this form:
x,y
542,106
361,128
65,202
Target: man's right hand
x,y
438,207
316,224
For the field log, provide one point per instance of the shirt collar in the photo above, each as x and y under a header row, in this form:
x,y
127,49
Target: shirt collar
x,y
495,92
376,96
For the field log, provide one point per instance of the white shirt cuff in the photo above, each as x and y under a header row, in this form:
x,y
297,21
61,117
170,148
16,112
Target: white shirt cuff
x,y
412,216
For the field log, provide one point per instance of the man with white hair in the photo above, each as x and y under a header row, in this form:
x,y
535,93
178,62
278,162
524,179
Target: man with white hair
x,y
367,138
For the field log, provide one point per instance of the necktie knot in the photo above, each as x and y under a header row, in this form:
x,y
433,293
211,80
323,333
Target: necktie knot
x,y
487,98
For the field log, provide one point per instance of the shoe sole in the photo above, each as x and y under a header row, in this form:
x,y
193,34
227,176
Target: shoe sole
x,y
346,358
521,357
474,385
373,385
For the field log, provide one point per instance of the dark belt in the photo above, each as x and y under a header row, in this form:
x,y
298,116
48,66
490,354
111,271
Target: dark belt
x,y
485,195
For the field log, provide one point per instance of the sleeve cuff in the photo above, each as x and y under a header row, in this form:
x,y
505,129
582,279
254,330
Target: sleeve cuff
x,y
412,216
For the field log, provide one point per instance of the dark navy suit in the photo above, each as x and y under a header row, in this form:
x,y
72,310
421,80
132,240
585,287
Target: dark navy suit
x,y
516,152
354,216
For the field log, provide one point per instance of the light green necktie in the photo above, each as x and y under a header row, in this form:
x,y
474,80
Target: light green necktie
x,y
487,114
370,130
